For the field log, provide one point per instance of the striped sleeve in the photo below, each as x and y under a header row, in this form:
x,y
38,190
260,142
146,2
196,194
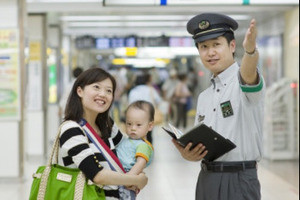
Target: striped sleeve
x,y
116,135
76,151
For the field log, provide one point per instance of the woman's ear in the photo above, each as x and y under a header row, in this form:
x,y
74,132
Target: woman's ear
x,y
79,91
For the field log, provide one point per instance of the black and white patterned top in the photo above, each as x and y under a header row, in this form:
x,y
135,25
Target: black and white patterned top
x,y
77,151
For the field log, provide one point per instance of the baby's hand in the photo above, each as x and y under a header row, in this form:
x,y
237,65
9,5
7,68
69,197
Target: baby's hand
x,y
133,188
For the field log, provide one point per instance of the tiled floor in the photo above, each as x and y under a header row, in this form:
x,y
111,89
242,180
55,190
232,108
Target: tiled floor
x,y
173,178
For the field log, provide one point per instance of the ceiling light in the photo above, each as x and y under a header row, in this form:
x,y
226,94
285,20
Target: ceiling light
x,y
128,18
64,1
127,24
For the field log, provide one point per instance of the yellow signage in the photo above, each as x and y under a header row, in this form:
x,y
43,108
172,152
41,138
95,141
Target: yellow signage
x,y
118,61
131,51
35,51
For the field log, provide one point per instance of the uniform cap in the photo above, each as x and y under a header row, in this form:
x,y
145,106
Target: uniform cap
x,y
210,25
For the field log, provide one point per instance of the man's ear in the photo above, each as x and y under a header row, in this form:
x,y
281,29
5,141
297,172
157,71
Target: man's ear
x,y
232,46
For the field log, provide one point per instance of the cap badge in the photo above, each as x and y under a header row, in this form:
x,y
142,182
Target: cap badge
x,y
201,118
203,24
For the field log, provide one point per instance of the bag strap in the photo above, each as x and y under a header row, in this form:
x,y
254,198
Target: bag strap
x,y
79,186
46,172
110,157
80,181
55,147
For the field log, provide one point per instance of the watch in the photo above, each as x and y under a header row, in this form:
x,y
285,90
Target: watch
x,y
251,53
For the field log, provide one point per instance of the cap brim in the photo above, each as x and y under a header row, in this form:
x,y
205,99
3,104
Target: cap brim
x,y
208,37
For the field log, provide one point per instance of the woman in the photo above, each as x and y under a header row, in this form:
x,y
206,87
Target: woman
x,y
87,109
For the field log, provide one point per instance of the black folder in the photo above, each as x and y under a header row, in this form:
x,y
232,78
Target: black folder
x,y
215,144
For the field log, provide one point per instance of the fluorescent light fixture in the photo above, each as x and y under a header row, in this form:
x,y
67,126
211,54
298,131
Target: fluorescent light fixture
x,y
125,31
274,2
159,52
140,62
106,18
128,18
129,2
240,17
64,1
201,2
91,18
184,51
127,24
155,52
169,2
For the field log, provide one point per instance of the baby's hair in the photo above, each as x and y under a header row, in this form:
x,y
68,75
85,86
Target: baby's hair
x,y
143,105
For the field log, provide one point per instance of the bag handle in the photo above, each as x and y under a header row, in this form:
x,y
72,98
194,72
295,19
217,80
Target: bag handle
x,y
79,185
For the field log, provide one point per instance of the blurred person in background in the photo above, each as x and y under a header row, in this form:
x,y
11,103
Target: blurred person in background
x,y
116,111
168,91
181,98
192,80
155,77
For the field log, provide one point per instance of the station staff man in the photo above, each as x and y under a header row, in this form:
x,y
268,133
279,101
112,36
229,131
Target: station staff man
x,y
232,106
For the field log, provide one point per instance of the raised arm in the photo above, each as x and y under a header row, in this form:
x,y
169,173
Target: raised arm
x,y
250,58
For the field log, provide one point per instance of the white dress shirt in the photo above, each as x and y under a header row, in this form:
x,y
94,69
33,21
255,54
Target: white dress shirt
x,y
243,123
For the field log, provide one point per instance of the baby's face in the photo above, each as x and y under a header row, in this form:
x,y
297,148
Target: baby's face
x,y
137,123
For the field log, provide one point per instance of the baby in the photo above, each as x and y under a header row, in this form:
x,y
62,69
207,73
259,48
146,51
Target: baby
x,y
135,152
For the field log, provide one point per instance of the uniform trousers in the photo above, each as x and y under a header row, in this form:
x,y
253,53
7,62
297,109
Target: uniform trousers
x,y
240,185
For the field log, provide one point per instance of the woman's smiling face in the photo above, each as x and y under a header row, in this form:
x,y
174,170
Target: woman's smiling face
x,y
96,97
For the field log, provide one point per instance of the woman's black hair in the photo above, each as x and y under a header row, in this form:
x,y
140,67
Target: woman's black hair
x,y
74,109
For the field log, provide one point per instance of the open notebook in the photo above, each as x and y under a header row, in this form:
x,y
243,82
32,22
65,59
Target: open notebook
x,y
215,144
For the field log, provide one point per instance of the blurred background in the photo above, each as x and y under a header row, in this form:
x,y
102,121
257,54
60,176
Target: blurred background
x,y
43,42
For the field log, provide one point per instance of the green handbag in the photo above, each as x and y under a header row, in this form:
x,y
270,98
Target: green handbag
x,y
55,182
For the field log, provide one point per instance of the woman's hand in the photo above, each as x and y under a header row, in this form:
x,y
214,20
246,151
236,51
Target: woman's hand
x,y
196,154
142,181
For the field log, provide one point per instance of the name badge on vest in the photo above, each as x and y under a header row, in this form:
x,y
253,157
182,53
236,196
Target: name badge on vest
x,y
226,108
